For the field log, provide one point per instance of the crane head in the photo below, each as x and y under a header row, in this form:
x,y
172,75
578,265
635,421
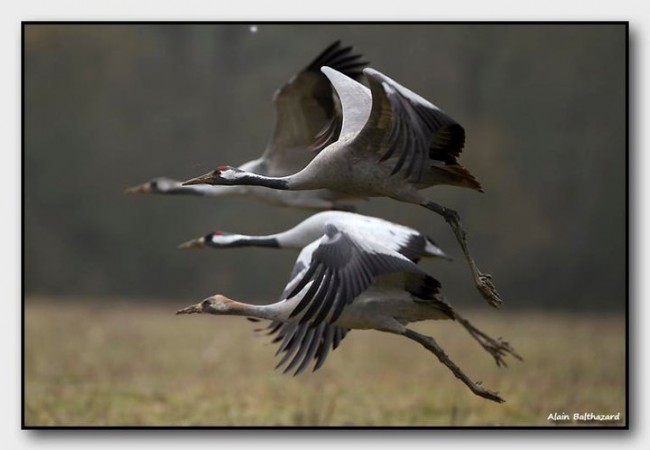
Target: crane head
x,y
217,304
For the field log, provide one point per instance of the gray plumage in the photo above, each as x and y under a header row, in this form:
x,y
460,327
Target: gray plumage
x,y
393,143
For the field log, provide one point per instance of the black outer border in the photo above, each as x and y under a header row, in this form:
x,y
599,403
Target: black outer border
x,y
251,22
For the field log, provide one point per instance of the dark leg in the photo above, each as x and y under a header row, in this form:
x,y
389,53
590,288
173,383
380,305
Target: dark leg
x,y
498,348
430,344
483,281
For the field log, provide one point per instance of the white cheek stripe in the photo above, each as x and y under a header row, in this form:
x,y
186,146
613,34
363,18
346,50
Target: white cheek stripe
x,y
228,239
229,175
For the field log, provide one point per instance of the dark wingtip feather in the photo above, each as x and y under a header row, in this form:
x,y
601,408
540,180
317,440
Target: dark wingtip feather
x,y
423,287
339,58
447,143
306,343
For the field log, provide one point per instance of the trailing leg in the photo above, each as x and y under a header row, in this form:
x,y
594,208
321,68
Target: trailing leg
x,y
483,281
498,348
430,344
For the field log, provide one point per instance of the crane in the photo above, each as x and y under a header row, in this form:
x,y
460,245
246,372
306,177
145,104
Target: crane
x,y
393,143
344,281
404,240
307,118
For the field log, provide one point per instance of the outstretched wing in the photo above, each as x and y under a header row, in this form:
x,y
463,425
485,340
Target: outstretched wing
x,y
414,133
400,128
354,98
300,267
342,266
304,107
297,343
400,238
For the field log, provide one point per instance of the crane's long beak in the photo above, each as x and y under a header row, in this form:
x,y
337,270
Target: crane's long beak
x,y
139,189
194,309
203,179
194,243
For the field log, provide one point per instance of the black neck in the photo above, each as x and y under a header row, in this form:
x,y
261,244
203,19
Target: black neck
x,y
260,242
260,180
248,241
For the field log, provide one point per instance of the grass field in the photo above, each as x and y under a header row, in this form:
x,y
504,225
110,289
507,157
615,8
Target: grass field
x,y
121,363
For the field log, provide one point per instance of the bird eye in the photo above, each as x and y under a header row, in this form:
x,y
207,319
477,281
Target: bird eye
x,y
153,185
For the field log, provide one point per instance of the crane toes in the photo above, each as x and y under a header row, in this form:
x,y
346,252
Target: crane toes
x,y
478,389
492,396
488,290
499,349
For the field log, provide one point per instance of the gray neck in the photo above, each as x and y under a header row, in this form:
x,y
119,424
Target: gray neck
x,y
273,311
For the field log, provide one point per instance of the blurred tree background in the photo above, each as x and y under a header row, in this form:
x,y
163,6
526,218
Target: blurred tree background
x,y
109,106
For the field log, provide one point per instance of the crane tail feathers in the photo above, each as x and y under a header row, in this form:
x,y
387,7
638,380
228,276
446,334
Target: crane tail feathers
x,y
456,175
